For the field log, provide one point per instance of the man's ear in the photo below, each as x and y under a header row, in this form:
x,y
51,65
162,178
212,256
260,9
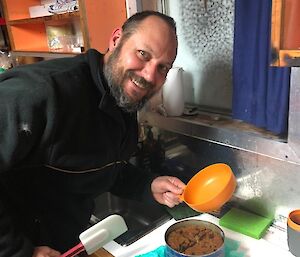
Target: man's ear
x,y
114,39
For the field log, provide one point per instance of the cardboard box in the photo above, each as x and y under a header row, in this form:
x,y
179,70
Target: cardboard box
x,y
42,10
39,11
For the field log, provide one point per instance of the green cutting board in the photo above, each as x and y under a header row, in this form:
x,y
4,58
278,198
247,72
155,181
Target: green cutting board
x,y
244,222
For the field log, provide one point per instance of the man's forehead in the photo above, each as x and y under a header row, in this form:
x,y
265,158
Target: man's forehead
x,y
155,36
156,27
153,20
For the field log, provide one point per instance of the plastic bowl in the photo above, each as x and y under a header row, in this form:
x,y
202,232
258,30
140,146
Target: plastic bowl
x,y
210,188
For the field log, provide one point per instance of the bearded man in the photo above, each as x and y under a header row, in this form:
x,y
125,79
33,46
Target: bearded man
x,y
68,128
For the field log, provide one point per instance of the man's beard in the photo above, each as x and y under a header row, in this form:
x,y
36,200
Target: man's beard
x,y
115,79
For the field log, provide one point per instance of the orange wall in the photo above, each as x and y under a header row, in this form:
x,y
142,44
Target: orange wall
x,y
102,17
291,39
19,9
34,34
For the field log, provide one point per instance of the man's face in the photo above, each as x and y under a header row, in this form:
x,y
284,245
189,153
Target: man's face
x,y
137,67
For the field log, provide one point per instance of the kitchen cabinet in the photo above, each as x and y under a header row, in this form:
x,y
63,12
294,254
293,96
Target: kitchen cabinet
x,y
93,22
285,33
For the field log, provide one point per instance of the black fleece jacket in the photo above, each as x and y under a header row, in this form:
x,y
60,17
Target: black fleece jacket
x,y
63,141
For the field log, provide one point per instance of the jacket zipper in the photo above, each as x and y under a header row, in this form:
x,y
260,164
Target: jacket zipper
x,y
85,171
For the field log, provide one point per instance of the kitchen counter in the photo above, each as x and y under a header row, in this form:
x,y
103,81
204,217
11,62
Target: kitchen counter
x,y
250,246
101,253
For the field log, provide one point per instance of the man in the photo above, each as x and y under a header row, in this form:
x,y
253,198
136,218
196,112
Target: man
x,y
67,130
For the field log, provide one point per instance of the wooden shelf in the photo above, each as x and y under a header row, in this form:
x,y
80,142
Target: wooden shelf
x,y
290,58
55,17
42,53
92,23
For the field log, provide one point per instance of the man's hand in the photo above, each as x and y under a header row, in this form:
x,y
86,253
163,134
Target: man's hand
x,y
166,190
45,251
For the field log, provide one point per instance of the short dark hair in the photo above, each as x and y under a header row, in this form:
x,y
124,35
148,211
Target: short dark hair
x,y
132,23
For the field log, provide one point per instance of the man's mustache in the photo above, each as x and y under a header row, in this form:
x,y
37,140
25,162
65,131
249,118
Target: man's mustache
x,y
140,80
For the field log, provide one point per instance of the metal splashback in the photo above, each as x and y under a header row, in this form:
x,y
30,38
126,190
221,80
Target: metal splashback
x,y
267,167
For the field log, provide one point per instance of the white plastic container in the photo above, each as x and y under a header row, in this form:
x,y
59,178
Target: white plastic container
x,y
172,93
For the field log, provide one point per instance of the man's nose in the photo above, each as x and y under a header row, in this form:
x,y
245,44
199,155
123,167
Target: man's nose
x,y
150,73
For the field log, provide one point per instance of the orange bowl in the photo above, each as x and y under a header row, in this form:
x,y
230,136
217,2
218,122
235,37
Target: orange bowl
x,y
210,188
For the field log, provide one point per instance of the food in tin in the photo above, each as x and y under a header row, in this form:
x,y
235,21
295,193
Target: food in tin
x,y
194,239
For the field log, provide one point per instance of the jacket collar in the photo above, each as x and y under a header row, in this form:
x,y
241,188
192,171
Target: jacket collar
x,y
107,103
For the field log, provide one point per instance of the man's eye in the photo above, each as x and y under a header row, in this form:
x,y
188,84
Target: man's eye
x,y
164,69
143,54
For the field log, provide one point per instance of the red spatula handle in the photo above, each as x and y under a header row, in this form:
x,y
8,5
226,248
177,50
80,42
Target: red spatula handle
x,y
73,251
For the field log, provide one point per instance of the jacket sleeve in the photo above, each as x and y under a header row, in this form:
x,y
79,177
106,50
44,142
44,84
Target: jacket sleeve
x,y
22,121
134,183
19,132
12,243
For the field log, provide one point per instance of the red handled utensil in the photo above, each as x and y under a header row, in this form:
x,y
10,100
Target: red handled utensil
x,y
98,235
74,251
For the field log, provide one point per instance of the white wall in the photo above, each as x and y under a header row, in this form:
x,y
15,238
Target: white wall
x,y
205,49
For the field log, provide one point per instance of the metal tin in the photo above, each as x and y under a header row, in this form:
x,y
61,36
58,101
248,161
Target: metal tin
x,y
170,252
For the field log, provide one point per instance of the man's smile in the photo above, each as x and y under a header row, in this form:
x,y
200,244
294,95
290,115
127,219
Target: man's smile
x,y
139,81
138,84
